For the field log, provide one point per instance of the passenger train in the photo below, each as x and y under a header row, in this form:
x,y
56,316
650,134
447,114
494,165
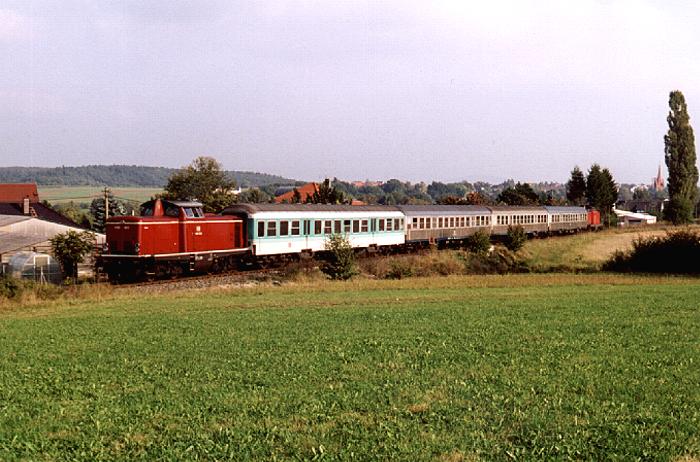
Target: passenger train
x,y
172,238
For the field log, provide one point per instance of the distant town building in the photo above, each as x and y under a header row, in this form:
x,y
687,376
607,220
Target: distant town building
x,y
362,184
306,190
626,218
657,184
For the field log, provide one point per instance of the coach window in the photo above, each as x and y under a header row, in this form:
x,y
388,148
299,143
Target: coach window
x,y
328,227
389,225
295,227
337,227
364,226
318,226
261,229
346,226
271,228
355,226
284,228
381,224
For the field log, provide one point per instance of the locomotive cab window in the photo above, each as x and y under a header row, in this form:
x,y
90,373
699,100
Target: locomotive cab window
x,y
172,211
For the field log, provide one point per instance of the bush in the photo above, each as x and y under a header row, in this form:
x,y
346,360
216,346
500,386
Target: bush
x,y
11,287
679,211
444,263
339,261
678,252
70,248
479,242
515,238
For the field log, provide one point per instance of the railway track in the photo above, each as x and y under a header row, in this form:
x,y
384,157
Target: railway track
x,y
204,280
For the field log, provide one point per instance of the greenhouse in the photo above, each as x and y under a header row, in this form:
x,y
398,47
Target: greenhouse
x,y
38,267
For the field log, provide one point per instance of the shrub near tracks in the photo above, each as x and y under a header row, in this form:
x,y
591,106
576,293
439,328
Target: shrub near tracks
x,y
463,368
676,253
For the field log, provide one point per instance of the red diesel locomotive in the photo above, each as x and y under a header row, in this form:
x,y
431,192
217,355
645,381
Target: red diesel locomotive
x,y
171,238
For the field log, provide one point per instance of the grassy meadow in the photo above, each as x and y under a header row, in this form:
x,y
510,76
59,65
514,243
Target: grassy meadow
x,y
85,194
585,251
518,367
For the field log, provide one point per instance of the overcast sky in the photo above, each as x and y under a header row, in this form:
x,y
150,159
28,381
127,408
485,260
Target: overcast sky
x,y
417,90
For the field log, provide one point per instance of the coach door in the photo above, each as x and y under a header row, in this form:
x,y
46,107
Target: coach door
x,y
307,232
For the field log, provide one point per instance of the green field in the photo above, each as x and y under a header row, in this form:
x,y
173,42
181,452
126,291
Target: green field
x,y
85,194
523,367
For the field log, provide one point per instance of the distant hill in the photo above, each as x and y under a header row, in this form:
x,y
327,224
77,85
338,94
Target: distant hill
x,y
118,175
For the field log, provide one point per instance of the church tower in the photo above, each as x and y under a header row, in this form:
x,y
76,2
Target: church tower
x,y
657,184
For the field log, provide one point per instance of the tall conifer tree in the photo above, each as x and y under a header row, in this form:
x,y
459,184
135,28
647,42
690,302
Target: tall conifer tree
x,y
680,156
576,187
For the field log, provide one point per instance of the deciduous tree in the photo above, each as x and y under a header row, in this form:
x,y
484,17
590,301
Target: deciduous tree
x,y
70,248
205,181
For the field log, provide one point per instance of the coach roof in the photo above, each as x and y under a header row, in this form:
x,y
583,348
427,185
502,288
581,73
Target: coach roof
x,y
257,208
426,210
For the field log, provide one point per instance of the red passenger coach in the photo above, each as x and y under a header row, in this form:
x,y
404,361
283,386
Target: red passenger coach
x,y
171,238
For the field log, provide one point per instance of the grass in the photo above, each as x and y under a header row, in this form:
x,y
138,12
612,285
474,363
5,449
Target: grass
x,y
85,194
456,368
584,251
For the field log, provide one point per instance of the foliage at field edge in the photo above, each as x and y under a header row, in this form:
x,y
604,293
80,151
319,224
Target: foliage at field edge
x,y
676,253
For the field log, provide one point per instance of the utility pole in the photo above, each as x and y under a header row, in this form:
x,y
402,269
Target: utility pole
x,y
106,193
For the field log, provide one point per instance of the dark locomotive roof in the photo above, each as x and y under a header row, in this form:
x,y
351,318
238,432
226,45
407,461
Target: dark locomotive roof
x,y
257,208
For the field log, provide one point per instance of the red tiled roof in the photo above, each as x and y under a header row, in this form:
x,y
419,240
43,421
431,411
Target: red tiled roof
x,y
307,190
16,192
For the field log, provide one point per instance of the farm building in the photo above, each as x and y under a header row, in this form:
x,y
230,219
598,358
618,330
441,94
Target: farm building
x,y
625,218
26,224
